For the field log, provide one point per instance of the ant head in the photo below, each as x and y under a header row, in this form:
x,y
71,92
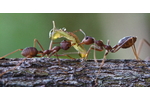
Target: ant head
x,y
87,40
65,45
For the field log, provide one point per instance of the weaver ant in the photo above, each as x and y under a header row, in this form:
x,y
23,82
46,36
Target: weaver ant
x,y
30,52
124,43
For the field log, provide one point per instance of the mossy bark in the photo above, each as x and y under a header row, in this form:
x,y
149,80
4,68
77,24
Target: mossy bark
x,y
47,72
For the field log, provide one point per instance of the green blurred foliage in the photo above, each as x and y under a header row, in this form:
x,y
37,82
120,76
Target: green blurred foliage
x,y
18,30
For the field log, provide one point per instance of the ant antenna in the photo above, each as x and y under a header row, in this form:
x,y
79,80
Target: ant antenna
x,y
82,32
50,35
141,44
52,30
53,25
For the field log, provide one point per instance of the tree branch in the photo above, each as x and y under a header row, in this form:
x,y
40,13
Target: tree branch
x,y
47,72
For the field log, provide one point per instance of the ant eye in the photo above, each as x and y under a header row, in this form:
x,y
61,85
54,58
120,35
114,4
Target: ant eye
x,y
87,38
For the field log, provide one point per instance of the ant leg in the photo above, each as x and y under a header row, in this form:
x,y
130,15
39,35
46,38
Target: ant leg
x,y
135,53
11,53
104,58
91,47
58,59
134,50
66,54
141,44
102,63
14,67
36,41
95,49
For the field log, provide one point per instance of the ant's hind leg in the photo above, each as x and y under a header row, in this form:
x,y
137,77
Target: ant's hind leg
x,y
11,53
135,53
141,44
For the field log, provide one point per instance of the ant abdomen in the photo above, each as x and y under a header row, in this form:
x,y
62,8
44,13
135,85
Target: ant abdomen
x,y
29,52
127,41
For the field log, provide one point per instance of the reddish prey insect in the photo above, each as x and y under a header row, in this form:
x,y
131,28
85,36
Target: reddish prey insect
x,y
30,52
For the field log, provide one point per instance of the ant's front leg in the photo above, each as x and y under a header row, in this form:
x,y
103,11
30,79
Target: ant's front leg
x,y
94,47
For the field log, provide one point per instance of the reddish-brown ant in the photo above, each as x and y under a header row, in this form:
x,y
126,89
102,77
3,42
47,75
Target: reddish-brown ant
x,y
124,43
30,52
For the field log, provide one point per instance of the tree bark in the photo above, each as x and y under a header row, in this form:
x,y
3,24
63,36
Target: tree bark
x,y
46,72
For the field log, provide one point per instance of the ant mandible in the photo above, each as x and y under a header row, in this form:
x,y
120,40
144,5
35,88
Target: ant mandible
x,y
30,52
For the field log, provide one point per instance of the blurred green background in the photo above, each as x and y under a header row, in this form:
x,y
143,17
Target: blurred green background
x,y
18,30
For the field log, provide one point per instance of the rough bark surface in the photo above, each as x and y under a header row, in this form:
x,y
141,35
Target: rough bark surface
x,y
47,72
